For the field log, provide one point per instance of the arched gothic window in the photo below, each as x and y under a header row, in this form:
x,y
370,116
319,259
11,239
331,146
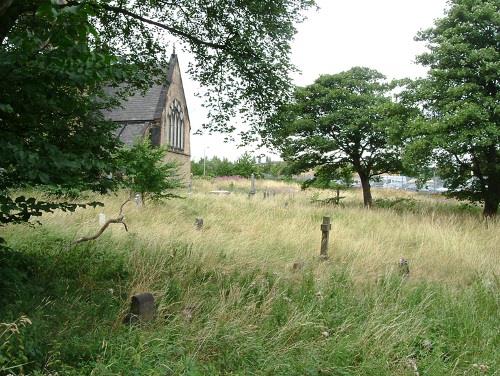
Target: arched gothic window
x,y
175,124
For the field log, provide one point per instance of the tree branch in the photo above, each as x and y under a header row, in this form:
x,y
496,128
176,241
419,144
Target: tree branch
x,y
171,29
119,219
4,5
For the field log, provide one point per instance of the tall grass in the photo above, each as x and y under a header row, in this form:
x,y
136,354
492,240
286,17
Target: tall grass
x,y
229,301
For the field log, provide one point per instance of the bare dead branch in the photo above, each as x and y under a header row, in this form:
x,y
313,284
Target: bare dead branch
x,y
119,219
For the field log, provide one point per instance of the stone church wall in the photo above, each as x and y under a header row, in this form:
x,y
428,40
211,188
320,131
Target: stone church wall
x,y
175,91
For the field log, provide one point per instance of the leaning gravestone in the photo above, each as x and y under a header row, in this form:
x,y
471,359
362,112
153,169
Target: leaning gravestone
x,y
142,308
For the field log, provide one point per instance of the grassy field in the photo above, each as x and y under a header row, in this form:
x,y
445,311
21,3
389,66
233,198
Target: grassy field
x,y
229,301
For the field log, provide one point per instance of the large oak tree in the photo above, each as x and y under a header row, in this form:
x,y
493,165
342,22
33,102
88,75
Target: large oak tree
x,y
458,132
345,120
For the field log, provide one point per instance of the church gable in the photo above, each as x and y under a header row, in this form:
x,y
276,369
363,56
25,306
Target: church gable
x,y
161,114
175,124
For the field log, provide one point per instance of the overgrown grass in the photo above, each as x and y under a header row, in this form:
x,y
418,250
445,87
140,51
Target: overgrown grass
x,y
229,302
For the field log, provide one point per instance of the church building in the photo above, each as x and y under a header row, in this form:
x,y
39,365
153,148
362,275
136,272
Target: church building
x,y
160,114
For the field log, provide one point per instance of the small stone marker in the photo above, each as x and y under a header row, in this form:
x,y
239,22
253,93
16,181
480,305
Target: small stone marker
x,y
102,219
138,200
188,313
220,192
142,308
297,265
325,235
198,223
404,267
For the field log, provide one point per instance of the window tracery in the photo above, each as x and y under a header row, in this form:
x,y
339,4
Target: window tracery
x,y
175,124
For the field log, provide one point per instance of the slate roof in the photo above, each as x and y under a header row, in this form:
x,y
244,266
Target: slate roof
x,y
131,132
139,107
142,107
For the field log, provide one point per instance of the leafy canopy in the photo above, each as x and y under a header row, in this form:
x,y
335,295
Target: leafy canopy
x,y
458,129
57,55
146,171
345,120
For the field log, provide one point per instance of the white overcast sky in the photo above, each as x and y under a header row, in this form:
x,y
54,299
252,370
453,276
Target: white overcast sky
x,y
341,34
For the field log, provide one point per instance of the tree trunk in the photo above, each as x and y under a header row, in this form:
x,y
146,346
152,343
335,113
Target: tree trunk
x,y
492,186
490,207
492,196
365,185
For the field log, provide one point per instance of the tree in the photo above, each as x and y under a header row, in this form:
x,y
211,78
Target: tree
x,y
345,120
245,166
57,55
458,130
145,171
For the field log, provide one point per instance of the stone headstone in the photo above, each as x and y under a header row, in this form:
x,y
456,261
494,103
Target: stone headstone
x,y
220,192
404,267
198,222
102,219
138,200
142,308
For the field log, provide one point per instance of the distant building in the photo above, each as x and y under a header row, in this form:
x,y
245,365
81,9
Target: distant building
x,y
160,114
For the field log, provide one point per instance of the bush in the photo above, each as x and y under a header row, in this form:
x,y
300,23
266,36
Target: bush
x,y
399,205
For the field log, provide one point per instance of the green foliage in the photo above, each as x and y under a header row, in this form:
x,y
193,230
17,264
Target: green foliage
x,y
57,56
458,129
13,355
213,167
326,177
400,204
21,209
244,166
51,130
146,171
345,120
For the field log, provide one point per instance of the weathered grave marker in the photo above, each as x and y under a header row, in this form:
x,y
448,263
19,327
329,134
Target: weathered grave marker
x,y
325,235
220,192
198,223
138,200
404,267
142,308
102,219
